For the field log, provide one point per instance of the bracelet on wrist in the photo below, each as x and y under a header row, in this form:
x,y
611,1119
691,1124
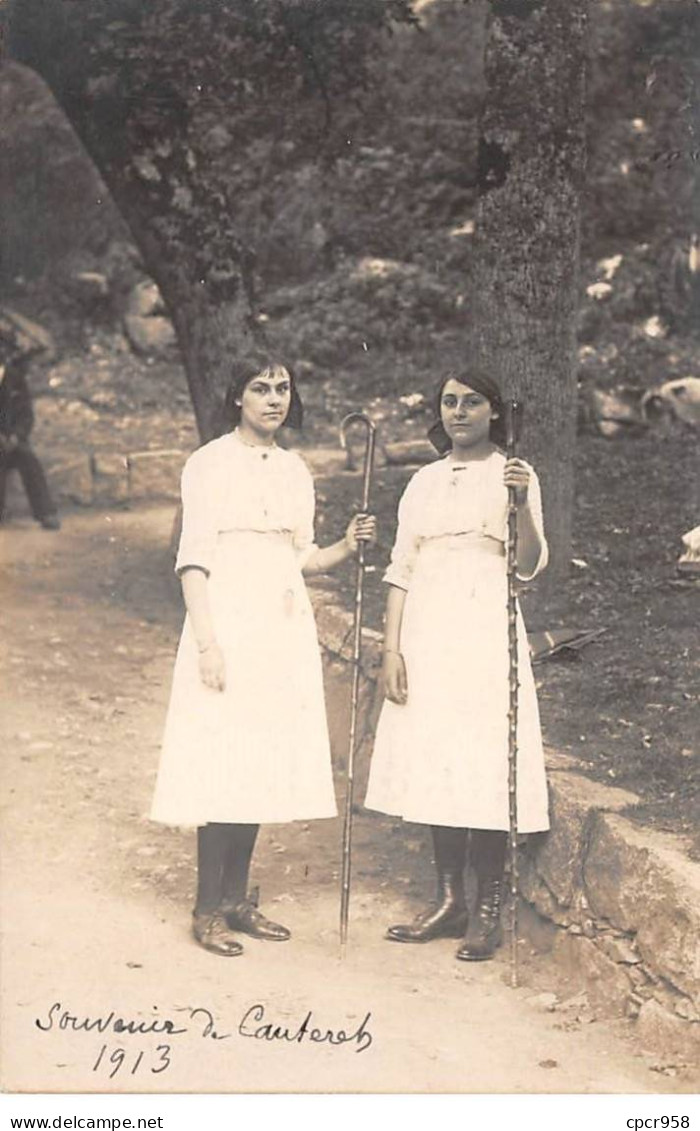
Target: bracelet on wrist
x,y
205,647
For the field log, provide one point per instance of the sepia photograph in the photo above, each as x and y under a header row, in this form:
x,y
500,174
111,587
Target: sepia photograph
x,y
349,550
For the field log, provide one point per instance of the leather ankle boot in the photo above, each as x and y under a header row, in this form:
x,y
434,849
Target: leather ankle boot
x,y
484,934
447,918
244,916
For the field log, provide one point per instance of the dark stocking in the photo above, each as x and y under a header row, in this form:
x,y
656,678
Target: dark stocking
x,y
488,853
239,851
450,848
211,854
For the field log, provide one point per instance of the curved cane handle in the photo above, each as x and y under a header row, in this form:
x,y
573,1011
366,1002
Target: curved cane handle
x,y
355,418
371,429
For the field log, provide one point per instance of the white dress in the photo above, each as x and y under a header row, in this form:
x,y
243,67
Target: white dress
x,y
257,751
442,758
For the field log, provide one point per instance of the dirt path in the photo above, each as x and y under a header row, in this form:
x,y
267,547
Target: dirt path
x,y
96,898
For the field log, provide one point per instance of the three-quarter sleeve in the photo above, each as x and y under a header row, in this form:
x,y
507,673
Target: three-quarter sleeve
x,y
199,517
303,533
535,500
405,551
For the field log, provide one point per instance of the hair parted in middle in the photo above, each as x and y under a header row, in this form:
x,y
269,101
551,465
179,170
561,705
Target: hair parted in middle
x,y
480,383
246,369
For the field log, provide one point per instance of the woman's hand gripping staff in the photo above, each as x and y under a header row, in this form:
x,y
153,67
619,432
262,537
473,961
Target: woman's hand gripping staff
x,y
516,475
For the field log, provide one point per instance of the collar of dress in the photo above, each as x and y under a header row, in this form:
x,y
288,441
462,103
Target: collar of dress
x,y
261,448
452,465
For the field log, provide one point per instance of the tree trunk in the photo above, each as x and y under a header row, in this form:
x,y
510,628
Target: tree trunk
x,y
211,331
531,167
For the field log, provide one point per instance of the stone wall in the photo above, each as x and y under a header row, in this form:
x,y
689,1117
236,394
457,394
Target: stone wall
x,y
108,478
624,902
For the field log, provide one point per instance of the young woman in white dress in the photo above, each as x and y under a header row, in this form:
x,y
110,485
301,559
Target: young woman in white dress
x,y
441,749
246,738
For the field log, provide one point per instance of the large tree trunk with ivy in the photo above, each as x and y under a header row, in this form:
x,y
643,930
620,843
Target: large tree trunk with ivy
x,y
531,159
194,112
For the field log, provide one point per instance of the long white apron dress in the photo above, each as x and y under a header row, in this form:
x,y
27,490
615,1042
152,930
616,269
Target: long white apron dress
x,y
257,751
442,757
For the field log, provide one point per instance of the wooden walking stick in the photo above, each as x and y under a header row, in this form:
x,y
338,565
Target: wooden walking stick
x,y
513,419
352,418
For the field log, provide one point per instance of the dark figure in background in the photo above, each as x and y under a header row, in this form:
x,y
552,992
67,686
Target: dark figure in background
x,y
16,420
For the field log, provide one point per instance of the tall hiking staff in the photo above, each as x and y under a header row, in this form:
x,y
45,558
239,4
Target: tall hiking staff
x,y
370,427
513,421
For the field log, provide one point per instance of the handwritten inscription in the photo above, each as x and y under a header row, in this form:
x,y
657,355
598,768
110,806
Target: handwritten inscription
x,y
254,1024
60,1018
117,1059
197,1020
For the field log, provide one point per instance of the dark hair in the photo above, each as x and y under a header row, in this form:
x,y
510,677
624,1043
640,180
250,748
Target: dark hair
x,y
246,370
480,383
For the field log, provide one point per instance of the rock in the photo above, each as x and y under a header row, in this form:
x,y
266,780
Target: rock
x,y
620,950
640,880
539,931
155,474
685,1008
546,1002
654,328
599,291
575,801
72,480
679,398
410,451
535,891
334,627
335,630
608,267
689,561
616,411
640,980
110,477
607,985
78,409
145,300
578,1007
611,428
90,289
663,1032
149,335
